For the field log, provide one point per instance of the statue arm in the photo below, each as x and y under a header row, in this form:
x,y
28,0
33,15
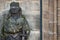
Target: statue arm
x,y
2,28
27,27
26,24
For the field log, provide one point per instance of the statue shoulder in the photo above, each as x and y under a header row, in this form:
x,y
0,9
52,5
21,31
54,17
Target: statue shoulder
x,y
6,13
6,16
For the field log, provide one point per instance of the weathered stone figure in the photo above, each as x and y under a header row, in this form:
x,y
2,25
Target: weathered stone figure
x,y
15,25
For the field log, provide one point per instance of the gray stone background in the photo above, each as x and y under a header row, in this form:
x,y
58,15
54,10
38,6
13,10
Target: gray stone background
x,y
31,10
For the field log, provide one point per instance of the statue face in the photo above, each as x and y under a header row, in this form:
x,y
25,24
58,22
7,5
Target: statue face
x,y
14,9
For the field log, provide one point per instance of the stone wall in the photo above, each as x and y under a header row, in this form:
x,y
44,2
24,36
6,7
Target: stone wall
x,y
51,19
58,20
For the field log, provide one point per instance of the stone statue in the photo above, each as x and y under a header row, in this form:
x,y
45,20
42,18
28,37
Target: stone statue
x,y
15,25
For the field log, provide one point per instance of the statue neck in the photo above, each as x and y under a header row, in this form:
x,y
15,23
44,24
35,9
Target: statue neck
x,y
15,16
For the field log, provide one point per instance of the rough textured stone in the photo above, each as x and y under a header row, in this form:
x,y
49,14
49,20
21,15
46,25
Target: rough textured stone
x,y
49,10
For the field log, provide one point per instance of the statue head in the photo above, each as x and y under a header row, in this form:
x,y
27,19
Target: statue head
x,y
14,7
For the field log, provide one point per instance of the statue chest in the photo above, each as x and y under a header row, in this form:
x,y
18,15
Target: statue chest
x,y
13,25
15,22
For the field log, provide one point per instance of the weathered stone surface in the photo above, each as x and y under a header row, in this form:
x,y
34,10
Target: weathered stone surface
x,y
49,20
